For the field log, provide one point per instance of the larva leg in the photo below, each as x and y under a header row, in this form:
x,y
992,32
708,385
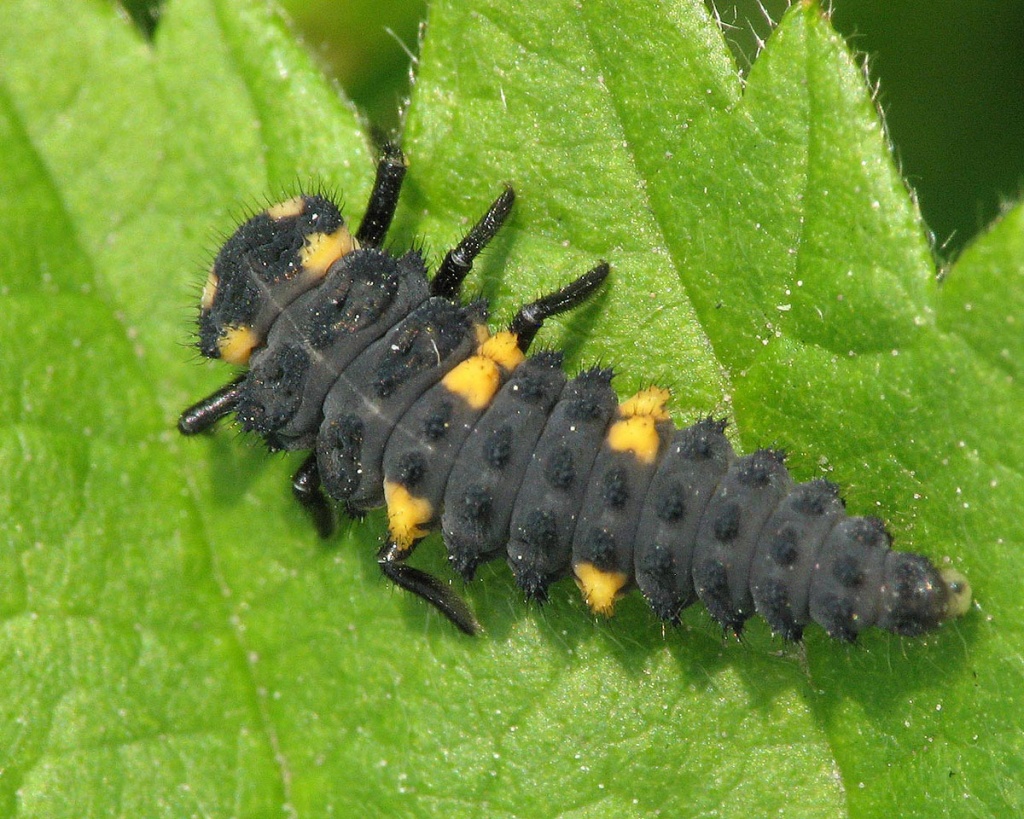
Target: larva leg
x,y
307,491
392,564
383,199
459,260
204,414
531,316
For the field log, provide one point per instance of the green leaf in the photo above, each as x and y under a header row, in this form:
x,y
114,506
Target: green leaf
x,y
175,641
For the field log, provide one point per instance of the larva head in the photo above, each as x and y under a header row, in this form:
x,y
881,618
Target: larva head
x,y
917,597
270,260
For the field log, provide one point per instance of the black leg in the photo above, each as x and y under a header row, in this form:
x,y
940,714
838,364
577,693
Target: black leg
x,y
459,260
531,316
392,563
204,414
384,198
307,491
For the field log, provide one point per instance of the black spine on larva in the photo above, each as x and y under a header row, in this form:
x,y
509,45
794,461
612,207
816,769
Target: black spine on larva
x,y
690,471
486,476
257,270
551,495
365,294
378,387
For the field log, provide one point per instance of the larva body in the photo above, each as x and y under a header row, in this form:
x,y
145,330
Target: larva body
x,y
407,399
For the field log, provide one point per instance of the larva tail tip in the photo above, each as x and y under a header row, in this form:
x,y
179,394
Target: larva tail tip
x,y
959,600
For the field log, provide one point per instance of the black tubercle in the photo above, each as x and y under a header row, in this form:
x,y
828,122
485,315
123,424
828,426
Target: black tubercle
x,y
427,337
359,289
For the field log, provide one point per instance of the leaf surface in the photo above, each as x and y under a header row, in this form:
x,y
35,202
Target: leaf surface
x,y
175,642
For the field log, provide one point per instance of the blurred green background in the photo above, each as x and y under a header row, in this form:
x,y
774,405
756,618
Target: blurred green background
x,y
949,75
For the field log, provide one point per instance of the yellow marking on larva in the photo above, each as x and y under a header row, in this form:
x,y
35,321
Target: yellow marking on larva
x,y
600,588
636,430
237,343
503,349
407,515
478,378
209,291
324,249
475,380
650,402
638,434
286,209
